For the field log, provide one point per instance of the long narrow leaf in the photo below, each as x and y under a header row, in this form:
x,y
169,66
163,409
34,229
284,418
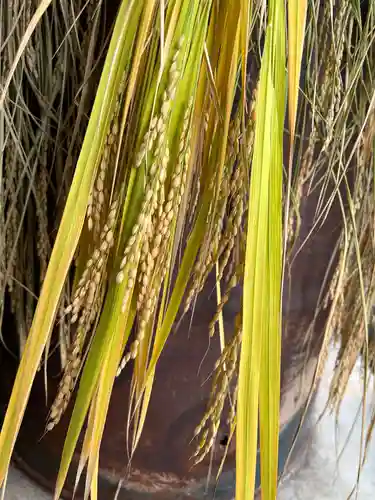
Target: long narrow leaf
x,y
259,374
297,11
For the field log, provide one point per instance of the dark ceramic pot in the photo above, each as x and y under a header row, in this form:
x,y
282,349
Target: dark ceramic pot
x,y
161,467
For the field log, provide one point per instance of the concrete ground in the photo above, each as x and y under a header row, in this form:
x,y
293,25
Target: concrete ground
x,y
319,476
19,487
329,468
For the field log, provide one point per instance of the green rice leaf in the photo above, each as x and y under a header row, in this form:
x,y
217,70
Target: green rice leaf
x,y
259,376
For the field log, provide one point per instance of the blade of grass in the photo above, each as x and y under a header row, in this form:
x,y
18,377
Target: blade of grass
x,y
297,11
246,15
106,381
254,279
259,372
269,401
85,451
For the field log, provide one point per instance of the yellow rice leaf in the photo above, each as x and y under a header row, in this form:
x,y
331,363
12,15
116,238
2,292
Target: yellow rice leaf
x,y
106,381
85,451
246,8
254,281
297,10
269,401
94,484
259,375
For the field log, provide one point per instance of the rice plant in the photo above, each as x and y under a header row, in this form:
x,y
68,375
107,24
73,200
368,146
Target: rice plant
x,y
139,157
